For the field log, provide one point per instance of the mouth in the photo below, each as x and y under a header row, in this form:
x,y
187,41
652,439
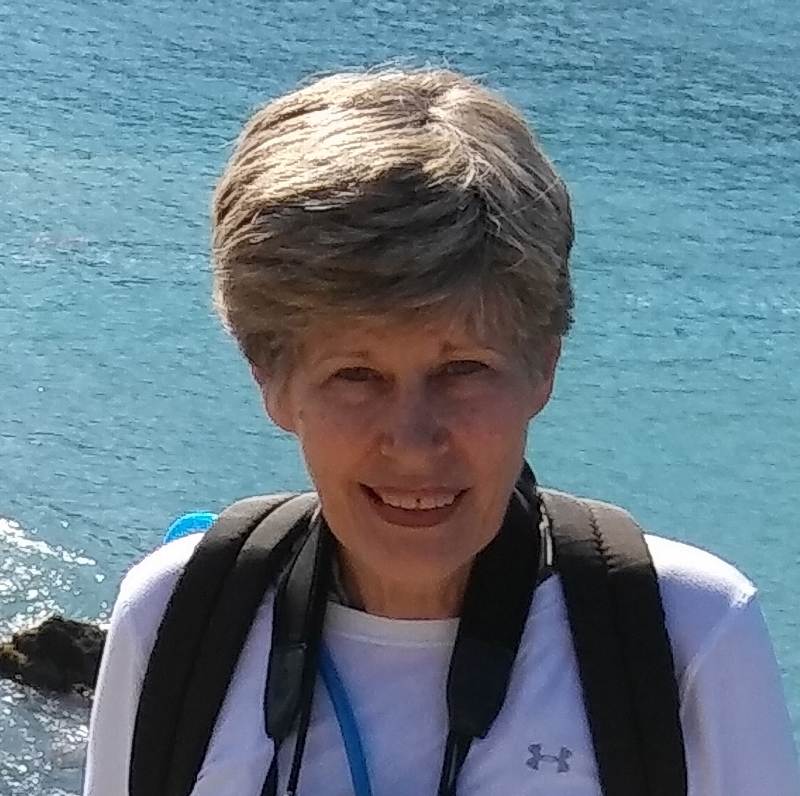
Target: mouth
x,y
418,508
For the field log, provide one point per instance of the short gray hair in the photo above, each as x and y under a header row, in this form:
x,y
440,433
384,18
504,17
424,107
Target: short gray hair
x,y
389,194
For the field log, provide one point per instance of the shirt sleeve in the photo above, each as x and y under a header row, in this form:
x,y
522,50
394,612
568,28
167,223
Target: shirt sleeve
x,y
116,700
737,729
143,596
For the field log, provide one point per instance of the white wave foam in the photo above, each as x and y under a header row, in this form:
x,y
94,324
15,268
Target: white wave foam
x,y
12,533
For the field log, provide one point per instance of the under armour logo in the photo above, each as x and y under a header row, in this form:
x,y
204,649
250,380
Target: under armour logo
x,y
537,757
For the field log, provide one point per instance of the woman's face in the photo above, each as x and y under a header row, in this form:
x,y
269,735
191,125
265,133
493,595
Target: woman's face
x,y
413,436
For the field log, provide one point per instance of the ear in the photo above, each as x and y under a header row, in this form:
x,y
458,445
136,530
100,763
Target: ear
x,y
274,398
551,352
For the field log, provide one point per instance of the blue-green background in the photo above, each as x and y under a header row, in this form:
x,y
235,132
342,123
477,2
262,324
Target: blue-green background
x,y
122,404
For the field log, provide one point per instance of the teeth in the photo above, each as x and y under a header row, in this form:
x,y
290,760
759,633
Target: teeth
x,y
419,503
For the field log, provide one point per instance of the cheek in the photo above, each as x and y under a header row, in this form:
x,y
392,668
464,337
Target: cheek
x,y
333,441
326,422
496,424
492,438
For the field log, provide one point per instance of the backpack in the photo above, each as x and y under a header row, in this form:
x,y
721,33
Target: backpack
x,y
613,604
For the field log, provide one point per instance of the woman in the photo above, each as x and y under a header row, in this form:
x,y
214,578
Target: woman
x,y
391,254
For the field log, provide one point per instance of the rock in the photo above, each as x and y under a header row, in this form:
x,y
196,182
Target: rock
x,y
60,655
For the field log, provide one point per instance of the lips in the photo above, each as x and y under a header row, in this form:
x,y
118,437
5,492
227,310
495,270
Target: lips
x,y
417,508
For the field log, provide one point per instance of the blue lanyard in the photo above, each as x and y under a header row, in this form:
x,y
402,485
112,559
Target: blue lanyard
x,y
348,727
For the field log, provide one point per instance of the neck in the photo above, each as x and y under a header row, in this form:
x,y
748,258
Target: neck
x,y
400,599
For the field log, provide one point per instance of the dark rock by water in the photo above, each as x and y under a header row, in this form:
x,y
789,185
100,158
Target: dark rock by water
x,y
59,654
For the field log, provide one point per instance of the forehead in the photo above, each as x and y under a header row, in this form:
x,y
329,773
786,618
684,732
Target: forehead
x,y
436,336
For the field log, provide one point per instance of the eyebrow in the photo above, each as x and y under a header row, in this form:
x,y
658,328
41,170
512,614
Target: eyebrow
x,y
446,350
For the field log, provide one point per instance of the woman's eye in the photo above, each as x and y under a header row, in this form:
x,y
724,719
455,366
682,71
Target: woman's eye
x,y
464,367
356,374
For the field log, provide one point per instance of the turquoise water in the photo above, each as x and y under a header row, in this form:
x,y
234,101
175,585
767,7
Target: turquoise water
x,y
122,404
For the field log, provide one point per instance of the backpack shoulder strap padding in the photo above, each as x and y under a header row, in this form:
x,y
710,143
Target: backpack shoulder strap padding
x,y
298,617
204,627
622,646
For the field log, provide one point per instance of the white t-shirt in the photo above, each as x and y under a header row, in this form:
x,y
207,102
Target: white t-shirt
x,y
737,730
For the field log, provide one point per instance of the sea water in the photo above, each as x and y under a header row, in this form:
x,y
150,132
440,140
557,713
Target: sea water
x,y
122,404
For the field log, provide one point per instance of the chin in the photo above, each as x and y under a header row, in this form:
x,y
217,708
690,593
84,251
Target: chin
x,y
415,554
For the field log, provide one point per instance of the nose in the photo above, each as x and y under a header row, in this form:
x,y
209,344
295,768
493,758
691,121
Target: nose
x,y
413,428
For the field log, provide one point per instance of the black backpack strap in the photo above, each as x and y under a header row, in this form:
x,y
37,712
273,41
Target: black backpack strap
x,y
201,635
623,649
495,609
299,614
